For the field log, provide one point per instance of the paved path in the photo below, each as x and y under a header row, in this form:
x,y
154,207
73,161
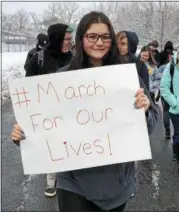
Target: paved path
x,y
157,181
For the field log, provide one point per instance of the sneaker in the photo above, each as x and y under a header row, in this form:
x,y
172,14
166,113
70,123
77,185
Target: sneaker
x,y
50,191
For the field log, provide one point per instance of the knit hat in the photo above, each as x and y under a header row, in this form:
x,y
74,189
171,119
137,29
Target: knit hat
x,y
42,40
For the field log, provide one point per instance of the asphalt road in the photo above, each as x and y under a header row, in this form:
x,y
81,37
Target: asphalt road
x,y
157,179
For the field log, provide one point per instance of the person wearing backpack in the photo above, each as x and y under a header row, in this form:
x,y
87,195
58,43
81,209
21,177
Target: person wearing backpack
x,y
42,41
169,88
55,55
165,106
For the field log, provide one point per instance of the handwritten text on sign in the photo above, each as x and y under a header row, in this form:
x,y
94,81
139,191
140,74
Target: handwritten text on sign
x,y
80,119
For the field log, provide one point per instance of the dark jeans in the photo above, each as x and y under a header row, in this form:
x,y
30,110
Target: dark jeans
x,y
175,122
72,202
166,116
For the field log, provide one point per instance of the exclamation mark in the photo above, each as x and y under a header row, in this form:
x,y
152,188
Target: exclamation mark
x,y
109,144
65,143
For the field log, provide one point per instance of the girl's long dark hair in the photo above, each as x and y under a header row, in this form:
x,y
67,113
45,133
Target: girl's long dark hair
x,y
81,58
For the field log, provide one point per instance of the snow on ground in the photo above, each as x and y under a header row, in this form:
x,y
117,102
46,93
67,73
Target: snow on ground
x,y
12,66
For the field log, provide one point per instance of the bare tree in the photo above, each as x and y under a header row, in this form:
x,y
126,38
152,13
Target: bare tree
x,y
110,9
6,22
20,20
63,12
36,21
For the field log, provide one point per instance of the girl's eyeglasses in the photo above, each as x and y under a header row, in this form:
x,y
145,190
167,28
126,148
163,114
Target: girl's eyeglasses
x,y
93,38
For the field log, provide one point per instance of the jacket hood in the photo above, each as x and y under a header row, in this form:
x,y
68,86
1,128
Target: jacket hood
x,y
56,34
133,41
168,45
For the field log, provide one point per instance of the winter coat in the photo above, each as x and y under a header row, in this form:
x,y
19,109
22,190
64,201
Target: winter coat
x,y
42,42
164,55
165,87
154,78
131,58
29,56
51,58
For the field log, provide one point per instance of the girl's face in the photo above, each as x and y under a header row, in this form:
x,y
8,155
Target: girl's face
x,y
144,56
97,41
123,46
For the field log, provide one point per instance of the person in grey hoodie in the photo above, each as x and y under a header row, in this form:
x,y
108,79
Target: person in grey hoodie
x,y
105,188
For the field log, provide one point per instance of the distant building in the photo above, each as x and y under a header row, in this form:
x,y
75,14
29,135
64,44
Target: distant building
x,y
12,41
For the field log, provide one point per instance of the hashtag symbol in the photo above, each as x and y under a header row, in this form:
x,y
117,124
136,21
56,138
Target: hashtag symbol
x,y
22,94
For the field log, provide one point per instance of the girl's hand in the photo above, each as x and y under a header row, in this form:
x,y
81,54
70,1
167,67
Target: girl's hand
x,y
142,100
17,133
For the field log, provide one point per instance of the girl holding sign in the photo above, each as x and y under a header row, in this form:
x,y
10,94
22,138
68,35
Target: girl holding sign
x,y
106,188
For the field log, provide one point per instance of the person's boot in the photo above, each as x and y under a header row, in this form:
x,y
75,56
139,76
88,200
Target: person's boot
x,y
174,152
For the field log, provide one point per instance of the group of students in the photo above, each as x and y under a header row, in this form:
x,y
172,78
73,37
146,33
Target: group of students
x,y
106,188
163,70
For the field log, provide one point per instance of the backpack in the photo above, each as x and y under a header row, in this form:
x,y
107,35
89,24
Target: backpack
x,y
172,68
40,59
166,106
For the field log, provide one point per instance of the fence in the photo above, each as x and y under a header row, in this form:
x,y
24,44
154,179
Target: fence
x,y
12,42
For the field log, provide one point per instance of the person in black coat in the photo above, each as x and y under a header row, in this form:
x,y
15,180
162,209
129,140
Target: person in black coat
x,y
127,45
56,54
166,54
42,41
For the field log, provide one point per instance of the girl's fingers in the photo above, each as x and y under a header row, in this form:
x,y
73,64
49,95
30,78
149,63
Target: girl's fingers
x,y
139,97
17,135
141,90
17,127
142,101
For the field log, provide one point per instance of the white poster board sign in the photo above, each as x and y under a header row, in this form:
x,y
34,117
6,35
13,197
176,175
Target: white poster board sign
x,y
80,119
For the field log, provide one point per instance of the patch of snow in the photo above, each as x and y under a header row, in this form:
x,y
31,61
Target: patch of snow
x,y
12,66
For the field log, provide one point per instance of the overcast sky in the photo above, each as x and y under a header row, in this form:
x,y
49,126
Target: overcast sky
x,y
11,7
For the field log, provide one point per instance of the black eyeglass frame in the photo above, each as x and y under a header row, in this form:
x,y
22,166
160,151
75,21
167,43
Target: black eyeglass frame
x,y
98,36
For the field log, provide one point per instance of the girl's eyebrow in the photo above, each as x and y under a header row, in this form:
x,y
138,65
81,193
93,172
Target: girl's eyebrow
x,y
106,33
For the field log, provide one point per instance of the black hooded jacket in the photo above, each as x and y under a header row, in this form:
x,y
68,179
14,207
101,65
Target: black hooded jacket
x,y
164,55
51,58
142,70
42,42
